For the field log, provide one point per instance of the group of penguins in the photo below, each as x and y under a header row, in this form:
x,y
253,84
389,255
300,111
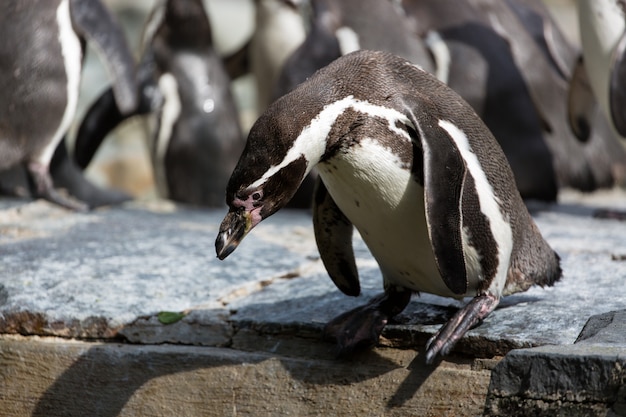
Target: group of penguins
x,y
369,110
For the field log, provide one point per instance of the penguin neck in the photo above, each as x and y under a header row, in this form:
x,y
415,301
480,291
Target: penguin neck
x,y
315,141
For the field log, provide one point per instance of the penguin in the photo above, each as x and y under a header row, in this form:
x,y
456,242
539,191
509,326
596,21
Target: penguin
x,y
406,162
340,27
198,139
40,70
603,35
516,52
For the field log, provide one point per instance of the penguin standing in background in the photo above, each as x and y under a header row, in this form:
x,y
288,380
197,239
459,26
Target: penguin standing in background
x,y
198,138
406,161
519,55
338,27
603,35
40,70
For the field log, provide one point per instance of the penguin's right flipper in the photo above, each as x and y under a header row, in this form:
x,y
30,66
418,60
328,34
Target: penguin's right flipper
x,y
333,235
93,21
617,88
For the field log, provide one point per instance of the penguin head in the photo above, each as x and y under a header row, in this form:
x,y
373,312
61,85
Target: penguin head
x,y
268,174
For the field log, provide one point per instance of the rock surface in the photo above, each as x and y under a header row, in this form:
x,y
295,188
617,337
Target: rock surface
x,y
107,275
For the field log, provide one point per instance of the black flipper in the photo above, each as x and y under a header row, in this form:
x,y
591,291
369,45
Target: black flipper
x,y
104,114
93,21
444,178
101,118
333,235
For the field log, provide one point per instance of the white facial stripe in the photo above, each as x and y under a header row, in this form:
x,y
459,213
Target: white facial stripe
x,y
72,55
500,227
169,115
348,40
441,53
311,143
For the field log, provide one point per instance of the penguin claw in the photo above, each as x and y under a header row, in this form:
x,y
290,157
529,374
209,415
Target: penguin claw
x,y
467,317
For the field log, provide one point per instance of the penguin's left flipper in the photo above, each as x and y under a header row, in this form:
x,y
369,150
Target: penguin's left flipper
x,y
333,235
581,102
464,319
444,174
617,87
93,21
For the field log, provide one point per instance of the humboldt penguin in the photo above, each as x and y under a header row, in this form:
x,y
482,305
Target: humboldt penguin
x,y
603,35
404,160
40,70
182,79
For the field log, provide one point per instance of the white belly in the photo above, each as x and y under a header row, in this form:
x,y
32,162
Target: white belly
x,y
387,208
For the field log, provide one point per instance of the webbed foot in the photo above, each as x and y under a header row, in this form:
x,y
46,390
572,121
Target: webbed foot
x,y
463,320
361,327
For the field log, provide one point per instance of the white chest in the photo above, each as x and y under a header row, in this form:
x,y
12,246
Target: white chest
x,y
386,206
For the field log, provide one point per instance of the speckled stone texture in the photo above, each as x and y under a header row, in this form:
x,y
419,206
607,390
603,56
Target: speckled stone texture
x,y
107,275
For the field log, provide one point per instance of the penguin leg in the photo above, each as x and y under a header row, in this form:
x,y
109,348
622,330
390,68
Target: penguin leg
x,y
66,174
361,327
464,319
41,185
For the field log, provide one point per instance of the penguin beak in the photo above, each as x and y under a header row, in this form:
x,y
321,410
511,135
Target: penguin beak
x,y
233,229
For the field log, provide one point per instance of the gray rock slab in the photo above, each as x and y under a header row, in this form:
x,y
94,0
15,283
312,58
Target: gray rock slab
x,y
605,329
583,380
107,274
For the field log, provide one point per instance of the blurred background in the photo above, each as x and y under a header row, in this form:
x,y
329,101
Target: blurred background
x,y
123,161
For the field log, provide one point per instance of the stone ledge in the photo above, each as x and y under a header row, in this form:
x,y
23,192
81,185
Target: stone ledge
x,y
107,274
53,377
579,380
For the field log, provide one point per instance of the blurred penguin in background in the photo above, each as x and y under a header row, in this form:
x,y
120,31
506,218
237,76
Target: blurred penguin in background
x,y
197,139
41,60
